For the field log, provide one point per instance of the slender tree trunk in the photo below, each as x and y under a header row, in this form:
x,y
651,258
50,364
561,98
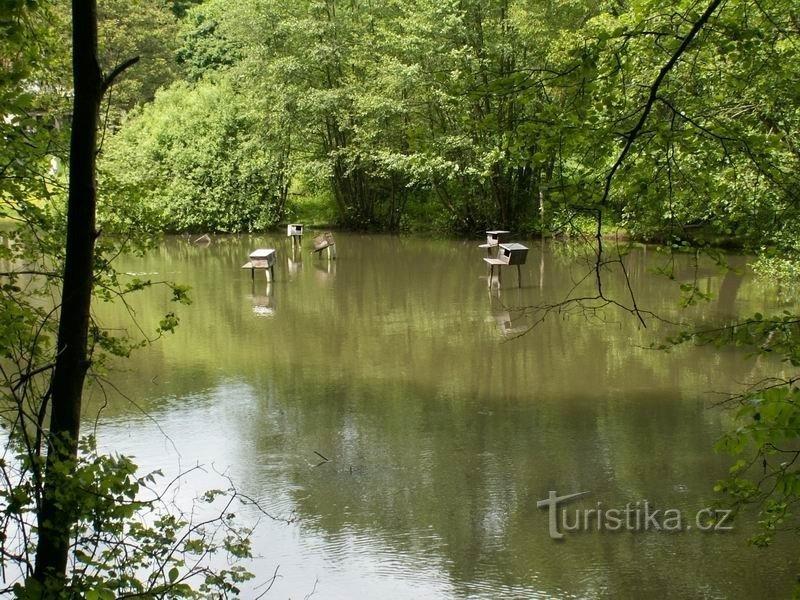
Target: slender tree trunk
x,y
55,520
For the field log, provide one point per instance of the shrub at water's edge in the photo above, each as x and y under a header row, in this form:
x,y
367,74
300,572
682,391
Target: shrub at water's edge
x,y
195,156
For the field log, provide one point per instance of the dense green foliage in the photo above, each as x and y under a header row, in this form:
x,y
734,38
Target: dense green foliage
x,y
199,155
150,32
469,114
125,538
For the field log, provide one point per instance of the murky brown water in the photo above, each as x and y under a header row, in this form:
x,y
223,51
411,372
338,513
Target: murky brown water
x,y
442,433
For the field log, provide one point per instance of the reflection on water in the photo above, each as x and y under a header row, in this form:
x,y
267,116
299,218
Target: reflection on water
x,y
263,302
510,320
443,427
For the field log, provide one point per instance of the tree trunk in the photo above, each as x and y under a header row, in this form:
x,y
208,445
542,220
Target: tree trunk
x,y
55,520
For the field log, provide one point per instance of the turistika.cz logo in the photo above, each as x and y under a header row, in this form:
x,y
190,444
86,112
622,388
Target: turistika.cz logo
x,y
636,516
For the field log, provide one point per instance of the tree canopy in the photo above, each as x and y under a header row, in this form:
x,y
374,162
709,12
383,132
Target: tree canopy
x,y
462,115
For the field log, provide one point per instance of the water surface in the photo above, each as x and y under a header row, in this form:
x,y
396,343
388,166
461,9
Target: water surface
x,y
442,428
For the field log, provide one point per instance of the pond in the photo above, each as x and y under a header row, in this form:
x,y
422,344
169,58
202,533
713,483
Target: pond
x,y
442,426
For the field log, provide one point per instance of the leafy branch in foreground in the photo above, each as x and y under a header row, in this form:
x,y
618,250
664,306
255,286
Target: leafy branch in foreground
x,y
766,474
129,539
75,523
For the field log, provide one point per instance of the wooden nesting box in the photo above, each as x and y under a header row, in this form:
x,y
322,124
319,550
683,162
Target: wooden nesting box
x,y
294,229
325,242
507,254
512,254
263,258
493,238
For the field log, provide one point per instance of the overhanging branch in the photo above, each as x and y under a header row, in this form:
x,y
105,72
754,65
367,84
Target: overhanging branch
x,y
108,81
648,107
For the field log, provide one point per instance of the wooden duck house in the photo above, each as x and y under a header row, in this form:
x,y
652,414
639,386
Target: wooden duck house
x,y
512,254
493,239
263,258
295,231
507,254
